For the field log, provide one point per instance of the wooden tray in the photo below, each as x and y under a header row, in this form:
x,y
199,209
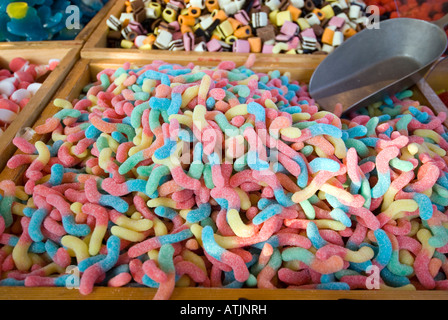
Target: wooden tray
x,y
30,113
80,39
96,48
83,73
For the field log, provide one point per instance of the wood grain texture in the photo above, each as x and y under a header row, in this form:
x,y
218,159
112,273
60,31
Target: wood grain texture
x,y
82,73
29,114
188,293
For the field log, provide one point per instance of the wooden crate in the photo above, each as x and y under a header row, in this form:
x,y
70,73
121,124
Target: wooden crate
x,y
30,113
96,48
80,39
437,75
82,74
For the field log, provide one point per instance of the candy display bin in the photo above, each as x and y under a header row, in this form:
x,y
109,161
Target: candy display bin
x,y
96,48
80,39
67,57
83,73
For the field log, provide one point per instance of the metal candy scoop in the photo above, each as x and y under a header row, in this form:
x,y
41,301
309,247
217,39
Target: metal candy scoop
x,y
377,63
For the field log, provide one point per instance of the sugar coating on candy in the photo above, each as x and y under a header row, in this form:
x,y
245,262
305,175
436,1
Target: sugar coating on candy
x,y
261,26
257,188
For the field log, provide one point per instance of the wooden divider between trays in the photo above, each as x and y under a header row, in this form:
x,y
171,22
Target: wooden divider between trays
x,y
83,73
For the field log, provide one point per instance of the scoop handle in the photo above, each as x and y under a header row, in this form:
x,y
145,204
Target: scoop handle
x,y
442,23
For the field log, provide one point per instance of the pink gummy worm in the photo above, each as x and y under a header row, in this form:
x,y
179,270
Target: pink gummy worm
x,y
99,212
136,269
427,176
19,160
184,180
50,125
120,280
292,277
166,288
229,194
353,170
255,143
90,276
369,219
59,203
383,158
239,268
91,191
102,125
140,205
192,270
76,196
154,272
265,277
421,268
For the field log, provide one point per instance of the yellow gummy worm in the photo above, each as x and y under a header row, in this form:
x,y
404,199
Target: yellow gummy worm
x,y
423,235
388,198
96,239
188,255
21,258
300,116
113,144
134,225
425,133
56,136
78,246
43,152
245,202
145,142
329,224
435,149
399,206
104,158
52,268
120,79
291,132
270,104
226,242
76,207
238,110
127,234
405,257
185,119
337,192
204,87
153,254
160,228
188,95
199,117
21,194
362,255
238,226
413,148
340,150
138,136
118,89
17,208
62,103
94,100
148,85
166,202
